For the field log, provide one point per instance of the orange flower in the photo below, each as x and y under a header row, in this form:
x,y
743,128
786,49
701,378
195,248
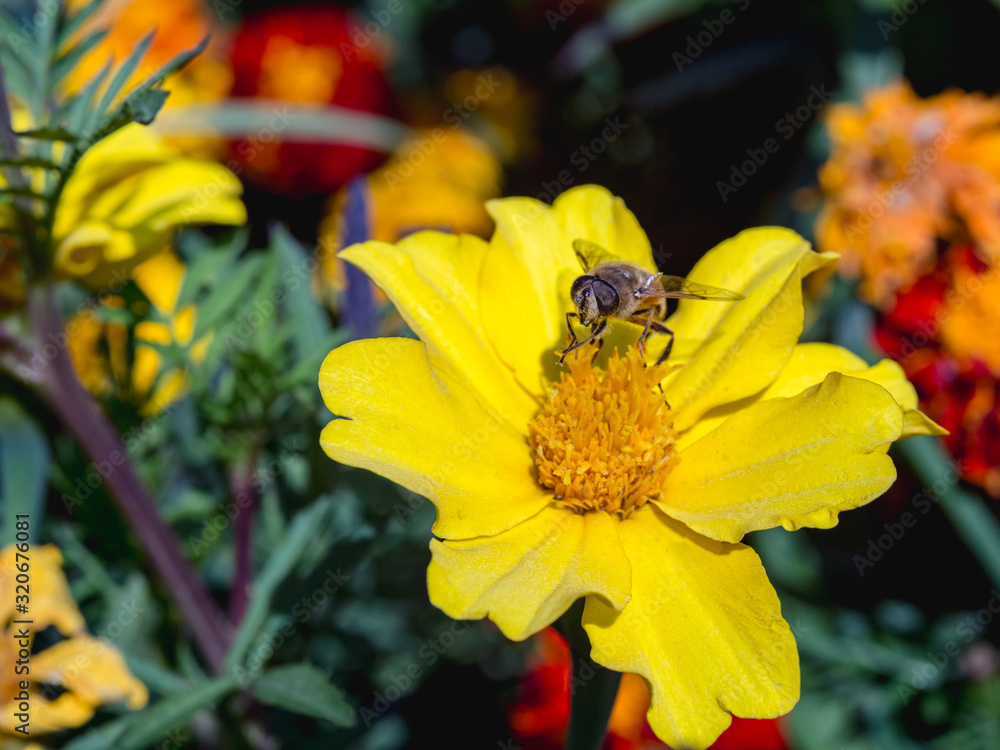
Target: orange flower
x,y
905,172
179,25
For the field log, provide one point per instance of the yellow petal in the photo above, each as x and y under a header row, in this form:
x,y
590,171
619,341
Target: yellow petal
x,y
160,278
735,349
423,428
65,712
433,279
526,577
90,668
703,628
51,601
795,461
812,362
531,266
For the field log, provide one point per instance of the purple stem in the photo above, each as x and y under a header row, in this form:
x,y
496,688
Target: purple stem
x,y
84,418
245,495
359,312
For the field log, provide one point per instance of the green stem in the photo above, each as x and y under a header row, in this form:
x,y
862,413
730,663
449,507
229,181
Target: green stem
x,y
975,524
592,688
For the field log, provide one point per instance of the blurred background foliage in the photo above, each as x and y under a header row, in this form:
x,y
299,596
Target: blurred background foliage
x,y
205,358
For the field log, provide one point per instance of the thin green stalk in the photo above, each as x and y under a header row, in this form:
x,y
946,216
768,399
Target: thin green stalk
x,y
975,524
593,688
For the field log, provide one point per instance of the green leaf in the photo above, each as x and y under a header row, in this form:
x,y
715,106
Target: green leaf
x,y
74,23
139,100
142,729
304,689
206,264
307,369
123,74
151,724
29,161
228,296
309,321
65,64
144,106
279,565
79,107
24,469
49,134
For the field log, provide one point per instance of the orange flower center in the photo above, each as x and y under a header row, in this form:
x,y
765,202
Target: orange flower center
x,y
604,439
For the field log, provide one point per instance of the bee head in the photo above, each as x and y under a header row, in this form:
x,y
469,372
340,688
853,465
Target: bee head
x,y
594,299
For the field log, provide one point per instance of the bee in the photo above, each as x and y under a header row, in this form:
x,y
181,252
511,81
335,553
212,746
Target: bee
x,y
623,290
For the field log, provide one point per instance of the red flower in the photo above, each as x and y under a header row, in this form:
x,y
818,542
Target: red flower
x,y
309,55
539,715
945,332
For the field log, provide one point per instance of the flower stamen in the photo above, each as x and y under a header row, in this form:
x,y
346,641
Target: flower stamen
x,y
604,439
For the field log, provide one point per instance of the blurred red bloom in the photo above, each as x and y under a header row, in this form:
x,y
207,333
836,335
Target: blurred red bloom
x,y
307,55
539,715
945,332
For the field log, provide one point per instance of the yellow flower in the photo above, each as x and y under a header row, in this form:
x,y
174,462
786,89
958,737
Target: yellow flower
x,y
592,483
91,671
126,198
160,278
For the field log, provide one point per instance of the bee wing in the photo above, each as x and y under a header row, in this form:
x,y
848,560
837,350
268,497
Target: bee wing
x,y
590,254
677,287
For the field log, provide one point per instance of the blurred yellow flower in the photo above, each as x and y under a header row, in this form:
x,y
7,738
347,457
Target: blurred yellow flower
x,y
99,350
89,670
126,198
903,173
550,487
440,179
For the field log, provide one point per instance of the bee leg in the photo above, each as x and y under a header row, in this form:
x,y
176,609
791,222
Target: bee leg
x,y
599,344
596,331
660,328
653,325
571,344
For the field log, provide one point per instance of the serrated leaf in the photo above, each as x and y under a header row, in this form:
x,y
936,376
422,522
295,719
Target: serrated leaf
x,y
310,323
227,296
304,689
24,469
